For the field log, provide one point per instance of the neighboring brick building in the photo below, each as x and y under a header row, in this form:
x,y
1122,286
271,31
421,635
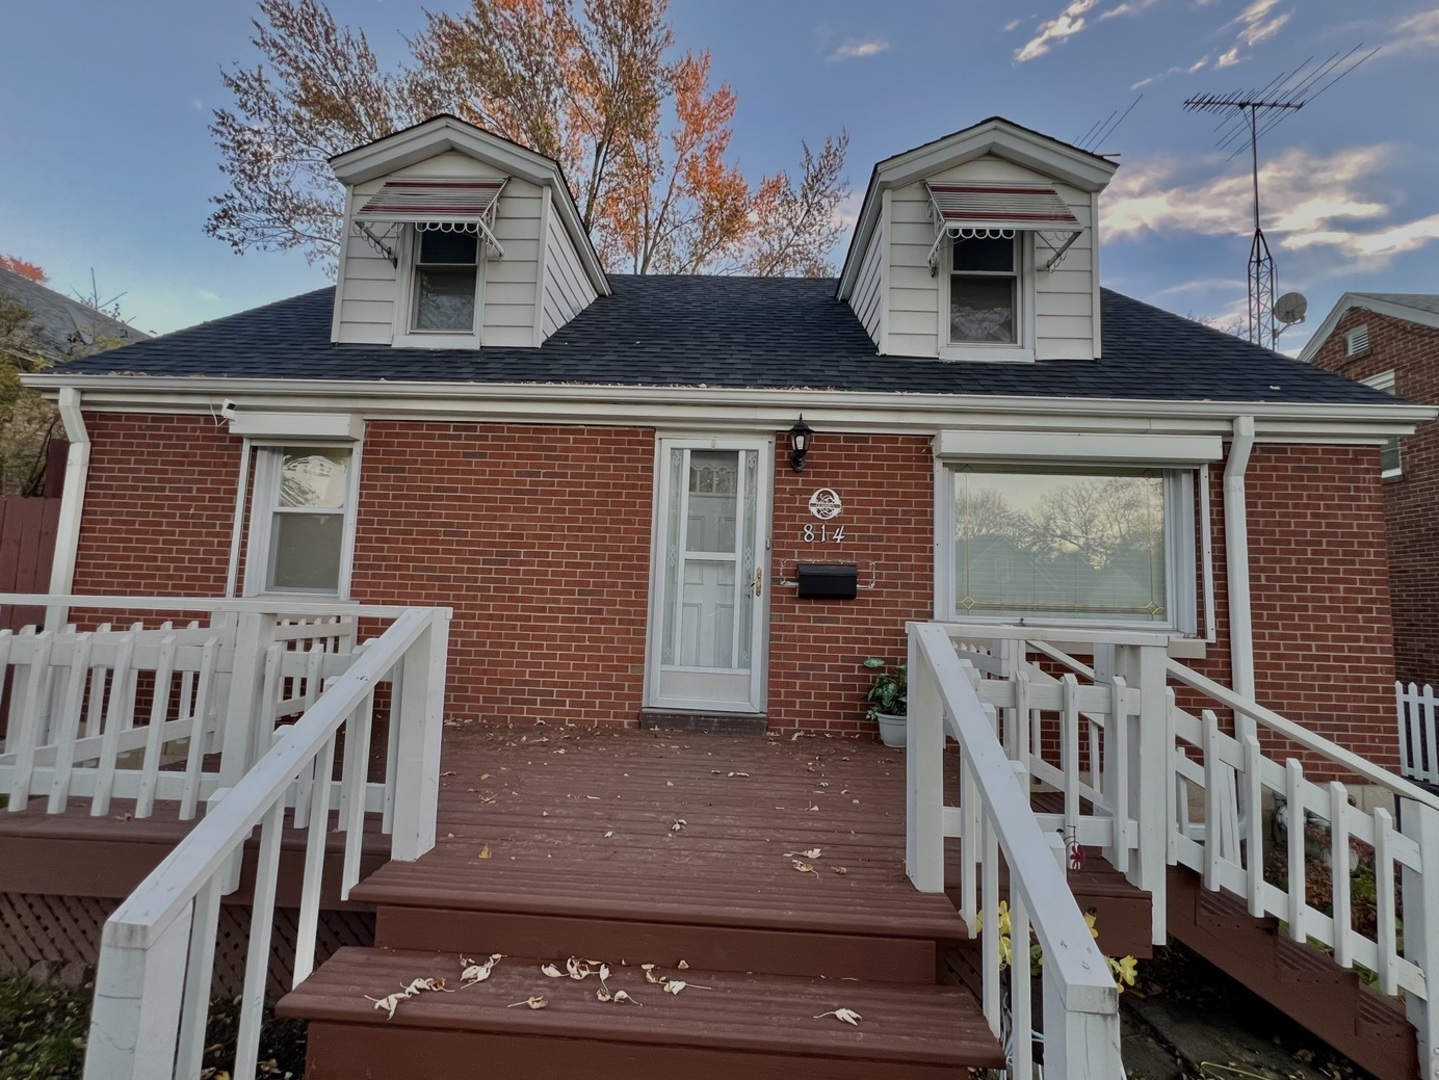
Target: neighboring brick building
x,y
1391,341
595,471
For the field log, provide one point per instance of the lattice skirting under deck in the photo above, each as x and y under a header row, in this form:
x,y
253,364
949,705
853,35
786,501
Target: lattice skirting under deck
x,y
56,939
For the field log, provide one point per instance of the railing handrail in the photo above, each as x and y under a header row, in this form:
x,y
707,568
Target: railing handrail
x,y
1009,632
1069,949
1300,735
267,605
172,885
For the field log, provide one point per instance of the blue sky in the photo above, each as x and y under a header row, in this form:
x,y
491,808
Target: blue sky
x,y
108,164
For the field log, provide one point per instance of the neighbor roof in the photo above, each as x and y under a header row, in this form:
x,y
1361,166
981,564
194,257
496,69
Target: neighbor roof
x,y
764,333
60,324
1421,308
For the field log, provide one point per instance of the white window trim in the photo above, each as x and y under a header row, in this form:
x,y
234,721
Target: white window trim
x,y
267,456
1385,381
409,247
1024,316
1179,544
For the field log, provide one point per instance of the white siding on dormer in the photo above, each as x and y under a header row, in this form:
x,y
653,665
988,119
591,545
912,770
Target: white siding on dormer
x,y
567,289
509,290
869,287
1063,298
365,307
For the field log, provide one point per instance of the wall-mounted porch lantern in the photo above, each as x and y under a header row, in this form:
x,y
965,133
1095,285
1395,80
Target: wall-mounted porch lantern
x,y
800,437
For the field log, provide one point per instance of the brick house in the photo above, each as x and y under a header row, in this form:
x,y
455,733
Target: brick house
x,y
597,471
1390,341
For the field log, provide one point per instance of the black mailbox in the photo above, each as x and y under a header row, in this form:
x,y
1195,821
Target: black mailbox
x,y
828,581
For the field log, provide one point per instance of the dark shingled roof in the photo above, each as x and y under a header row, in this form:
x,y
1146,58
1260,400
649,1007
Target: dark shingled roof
x,y
59,324
773,333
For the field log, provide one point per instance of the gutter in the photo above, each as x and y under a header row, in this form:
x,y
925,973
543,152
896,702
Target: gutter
x,y
1236,559
72,505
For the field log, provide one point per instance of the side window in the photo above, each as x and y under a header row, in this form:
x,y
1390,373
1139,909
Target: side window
x,y
984,291
301,520
446,282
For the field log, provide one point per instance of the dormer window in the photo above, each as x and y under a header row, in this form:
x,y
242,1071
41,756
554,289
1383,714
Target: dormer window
x,y
984,291
446,281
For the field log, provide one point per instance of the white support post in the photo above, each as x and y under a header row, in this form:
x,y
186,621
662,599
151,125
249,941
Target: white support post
x,y
421,709
1421,930
1151,785
253,633
136,1017
924,769
1078,1042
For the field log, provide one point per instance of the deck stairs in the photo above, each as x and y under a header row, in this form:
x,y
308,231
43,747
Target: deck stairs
x,y
585,860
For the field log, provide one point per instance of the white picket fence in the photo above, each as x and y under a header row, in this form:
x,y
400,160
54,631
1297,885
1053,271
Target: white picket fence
x,y
1418,714
1154,784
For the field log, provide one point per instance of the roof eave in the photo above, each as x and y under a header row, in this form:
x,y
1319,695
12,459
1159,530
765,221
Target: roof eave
x,y
1365,302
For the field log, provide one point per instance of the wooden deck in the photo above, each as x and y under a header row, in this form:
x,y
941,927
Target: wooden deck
x,y
634,847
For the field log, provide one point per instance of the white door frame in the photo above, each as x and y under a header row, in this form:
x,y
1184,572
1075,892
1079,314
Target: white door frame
x,y
656,695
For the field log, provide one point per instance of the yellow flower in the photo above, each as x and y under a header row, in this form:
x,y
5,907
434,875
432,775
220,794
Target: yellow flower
x,y
1090,919
1006,952
1124,971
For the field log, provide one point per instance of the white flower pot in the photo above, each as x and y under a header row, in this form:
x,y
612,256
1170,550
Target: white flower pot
x,y
892,729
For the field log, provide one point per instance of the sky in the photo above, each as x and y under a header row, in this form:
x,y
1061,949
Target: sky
x,y
106,163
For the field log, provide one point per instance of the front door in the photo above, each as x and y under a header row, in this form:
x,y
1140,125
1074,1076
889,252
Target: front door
x,y
707,645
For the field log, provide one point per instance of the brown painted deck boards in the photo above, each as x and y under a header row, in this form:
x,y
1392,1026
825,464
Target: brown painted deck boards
x,y
585,823
769,1015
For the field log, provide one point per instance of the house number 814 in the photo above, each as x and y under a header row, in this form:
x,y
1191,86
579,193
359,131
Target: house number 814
x,y
822,534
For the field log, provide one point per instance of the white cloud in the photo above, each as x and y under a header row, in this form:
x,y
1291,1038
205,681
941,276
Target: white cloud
x,y
1256,23
856,49
1012,25
1310,200
1419,31
1067,23
207,295
1228,58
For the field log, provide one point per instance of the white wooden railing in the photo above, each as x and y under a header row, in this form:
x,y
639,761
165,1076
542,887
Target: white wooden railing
x,y
1154,784
994,823
152,986
1418,713
159,713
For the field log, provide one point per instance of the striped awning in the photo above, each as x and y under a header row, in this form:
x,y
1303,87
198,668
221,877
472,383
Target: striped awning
x,y
436,201
1002,206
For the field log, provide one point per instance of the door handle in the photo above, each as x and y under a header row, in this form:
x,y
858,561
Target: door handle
x,y
758,581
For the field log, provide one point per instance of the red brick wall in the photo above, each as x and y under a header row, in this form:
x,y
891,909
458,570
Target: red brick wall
x,y
817,646
540,540
1318,583
159,506
1411,501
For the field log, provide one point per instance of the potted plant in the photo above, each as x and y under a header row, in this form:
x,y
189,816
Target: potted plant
x,y
889,700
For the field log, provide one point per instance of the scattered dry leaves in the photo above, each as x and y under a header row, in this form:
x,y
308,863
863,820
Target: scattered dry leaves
x,y
391,1001
477,973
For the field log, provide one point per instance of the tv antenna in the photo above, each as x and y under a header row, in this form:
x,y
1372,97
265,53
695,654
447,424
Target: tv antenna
x,y
1255,113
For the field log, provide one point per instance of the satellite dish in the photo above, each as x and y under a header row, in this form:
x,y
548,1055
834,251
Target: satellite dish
x,y
1290,308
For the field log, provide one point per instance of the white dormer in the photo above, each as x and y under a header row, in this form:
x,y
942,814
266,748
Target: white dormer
x,y
457,238
982,245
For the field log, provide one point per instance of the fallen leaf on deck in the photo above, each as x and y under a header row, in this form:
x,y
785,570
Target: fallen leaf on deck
x,y
608,834
739,774
840,869
577,969
674,986
649,970
485,852
669,783
814,807
391,1001
619,995
679,824
812,853
477,973
682,966
552,971
594,798
848,1016
535,1002
804,867
450,772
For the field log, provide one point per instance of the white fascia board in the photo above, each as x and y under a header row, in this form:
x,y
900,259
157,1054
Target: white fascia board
x,y
1072,167
1365,302
269,426
446,133
719,408
1151,449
